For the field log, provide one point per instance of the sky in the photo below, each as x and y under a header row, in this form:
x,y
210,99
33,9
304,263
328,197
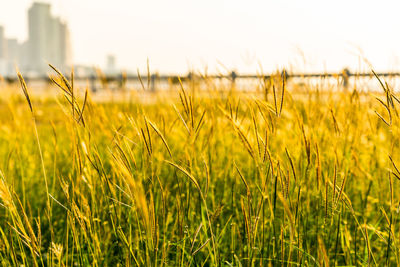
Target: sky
x,y
247,36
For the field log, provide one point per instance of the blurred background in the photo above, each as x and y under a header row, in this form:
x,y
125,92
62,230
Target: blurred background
x,y
211,36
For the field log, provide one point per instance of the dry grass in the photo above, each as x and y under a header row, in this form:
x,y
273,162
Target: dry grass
x,y
285,177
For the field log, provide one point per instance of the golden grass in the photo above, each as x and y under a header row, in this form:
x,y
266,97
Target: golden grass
x,y
281,177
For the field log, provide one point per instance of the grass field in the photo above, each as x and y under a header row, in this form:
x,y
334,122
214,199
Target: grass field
x,y
285,177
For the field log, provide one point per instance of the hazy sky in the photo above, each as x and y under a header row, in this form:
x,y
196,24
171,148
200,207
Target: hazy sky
x,y
307,35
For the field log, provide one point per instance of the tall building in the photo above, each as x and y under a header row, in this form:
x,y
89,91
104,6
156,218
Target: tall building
x,y
111,66
38,36
3,61
13,54
2,43
48,39
65,46
23,59
48,42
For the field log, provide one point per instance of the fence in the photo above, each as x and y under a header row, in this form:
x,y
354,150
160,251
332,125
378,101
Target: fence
x,y
152,79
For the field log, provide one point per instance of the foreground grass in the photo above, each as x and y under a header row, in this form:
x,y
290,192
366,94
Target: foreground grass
x,y
226,179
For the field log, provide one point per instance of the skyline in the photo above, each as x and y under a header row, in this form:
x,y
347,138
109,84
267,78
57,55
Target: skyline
x,y
226,35
48,41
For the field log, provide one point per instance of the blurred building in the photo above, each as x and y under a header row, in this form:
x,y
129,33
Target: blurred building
x,y
48,42
2,43
111,65
12,57
3,62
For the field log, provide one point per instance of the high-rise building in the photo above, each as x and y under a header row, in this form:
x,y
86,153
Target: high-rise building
x,y
38,36
48,42
23,59
3,61
2,43
111,66
13,54
48,39
65,42
54,43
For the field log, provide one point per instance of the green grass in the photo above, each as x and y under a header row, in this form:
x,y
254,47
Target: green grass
x,y
216,178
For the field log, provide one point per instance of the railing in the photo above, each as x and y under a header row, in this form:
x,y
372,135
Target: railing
x,y
233,76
